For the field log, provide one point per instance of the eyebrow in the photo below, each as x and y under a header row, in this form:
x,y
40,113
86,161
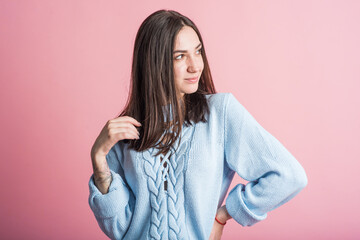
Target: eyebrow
x,y
183,51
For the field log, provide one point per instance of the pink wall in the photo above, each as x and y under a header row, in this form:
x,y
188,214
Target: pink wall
x,y
65,67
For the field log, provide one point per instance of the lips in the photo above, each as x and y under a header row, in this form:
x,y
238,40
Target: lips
x,y
193,80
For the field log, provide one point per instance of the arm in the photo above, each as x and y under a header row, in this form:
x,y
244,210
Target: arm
x,y
102,174
113,210
274,175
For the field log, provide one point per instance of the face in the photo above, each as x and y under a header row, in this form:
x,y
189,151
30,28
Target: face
x,y
188,62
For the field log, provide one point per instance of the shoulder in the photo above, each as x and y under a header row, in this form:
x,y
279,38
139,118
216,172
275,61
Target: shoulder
x,y
225,104
217,103
218,100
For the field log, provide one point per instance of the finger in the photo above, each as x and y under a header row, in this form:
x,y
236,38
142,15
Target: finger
x,y
127,118
125,125
121,133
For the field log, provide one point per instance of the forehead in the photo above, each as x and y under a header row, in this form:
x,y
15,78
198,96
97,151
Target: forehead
x,y
186,39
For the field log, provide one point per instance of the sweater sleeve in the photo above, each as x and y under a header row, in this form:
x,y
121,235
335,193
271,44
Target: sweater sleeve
x,y
274,175
113,210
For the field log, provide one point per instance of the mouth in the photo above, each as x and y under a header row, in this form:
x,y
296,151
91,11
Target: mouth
x,y
192,80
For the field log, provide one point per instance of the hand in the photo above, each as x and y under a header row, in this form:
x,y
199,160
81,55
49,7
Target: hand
x,y
114,130
222,215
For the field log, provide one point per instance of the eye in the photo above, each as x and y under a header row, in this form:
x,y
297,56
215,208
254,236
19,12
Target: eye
x,y
200,51
179,57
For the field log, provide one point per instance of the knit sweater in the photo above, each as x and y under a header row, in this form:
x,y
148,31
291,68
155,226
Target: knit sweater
x,y
149,199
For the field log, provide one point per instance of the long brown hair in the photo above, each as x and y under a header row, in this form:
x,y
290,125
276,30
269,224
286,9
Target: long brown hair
x,y
153,88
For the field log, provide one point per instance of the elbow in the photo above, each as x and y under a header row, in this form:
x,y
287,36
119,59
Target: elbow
x,y
298,178
295,178
301,180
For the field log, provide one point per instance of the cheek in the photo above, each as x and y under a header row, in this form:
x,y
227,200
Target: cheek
x,y
177,75
201,64
179,71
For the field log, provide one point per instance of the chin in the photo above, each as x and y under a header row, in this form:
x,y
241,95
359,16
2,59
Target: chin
x,y
190,91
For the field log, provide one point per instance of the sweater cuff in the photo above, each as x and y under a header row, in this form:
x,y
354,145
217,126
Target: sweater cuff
x,y
238,210
107,205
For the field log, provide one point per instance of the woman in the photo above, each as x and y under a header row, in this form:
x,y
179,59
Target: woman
x,y
163,167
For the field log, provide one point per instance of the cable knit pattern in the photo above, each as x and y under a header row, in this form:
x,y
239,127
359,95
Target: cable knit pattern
x,y
176,195
153,168
167,207
198,172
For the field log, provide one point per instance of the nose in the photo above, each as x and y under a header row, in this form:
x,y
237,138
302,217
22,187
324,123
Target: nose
x,y
194,64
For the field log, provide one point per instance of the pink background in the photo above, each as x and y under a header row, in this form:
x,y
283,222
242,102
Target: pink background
x,y
65,67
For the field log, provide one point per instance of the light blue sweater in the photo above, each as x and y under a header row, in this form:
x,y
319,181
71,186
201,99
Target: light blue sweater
x,y
198,176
